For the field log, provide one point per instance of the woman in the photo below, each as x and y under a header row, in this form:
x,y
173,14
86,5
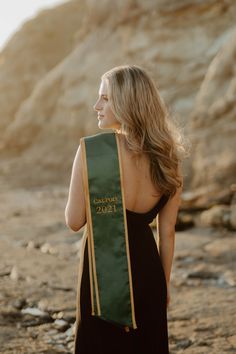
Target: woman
x,y
150,150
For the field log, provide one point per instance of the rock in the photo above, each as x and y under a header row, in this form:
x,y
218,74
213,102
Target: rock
x,y
232,340
184,222
30,245
202,275
203,271
61,325
35,312
213,122
70,346
70,332
37,52
218,215
69,316
5,272
232,217
47,248
183,343
228,278
14,275
58,315
43,305
205,197
59,337
19,303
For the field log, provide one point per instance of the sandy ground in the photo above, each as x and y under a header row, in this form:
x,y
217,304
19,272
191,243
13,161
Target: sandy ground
x,y
38,277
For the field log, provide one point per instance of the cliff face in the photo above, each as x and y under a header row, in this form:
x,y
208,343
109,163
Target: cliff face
x,y
214,121
48,93
32,52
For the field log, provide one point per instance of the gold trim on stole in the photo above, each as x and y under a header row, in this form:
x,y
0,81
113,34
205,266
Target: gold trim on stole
x,y
92,270
126,236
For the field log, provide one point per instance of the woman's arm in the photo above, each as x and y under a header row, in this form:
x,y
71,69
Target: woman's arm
x,y
75,213
167,220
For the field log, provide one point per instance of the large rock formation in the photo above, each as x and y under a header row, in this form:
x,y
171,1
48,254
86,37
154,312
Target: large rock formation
x,y
214,124
32,52
175,41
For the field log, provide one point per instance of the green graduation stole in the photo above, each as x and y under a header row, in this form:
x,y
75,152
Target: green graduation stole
x,y
106,231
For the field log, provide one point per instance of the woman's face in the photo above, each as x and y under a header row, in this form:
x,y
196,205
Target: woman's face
x,y
106,118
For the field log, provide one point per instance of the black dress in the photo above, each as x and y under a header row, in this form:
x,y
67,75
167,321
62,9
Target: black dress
x,y
96,336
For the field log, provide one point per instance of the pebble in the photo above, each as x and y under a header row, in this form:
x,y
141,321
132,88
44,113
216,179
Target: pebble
x,y
61,325
30,245
202,274
58,315
14,275
34,311
233,216
216,216
19,304
43,305
47,248
184,343
228,278
184,221
232,340
70,332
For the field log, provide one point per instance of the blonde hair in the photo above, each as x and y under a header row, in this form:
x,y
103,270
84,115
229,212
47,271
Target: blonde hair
x,y
145,122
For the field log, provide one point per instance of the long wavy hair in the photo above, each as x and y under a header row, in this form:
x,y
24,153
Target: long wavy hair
x,y
146,124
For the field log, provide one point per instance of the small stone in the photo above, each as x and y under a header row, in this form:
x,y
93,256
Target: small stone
x,y
232,340
58,315
14,275
34,335
184,343
229,278
61,325
184,221
47,248
35,312
60,347
215,216
201,272
202,275
70,346
43,305
30,245
51,332
5,272
232,217
70,332
19,303
59,337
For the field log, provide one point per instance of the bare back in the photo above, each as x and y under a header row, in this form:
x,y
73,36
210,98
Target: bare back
x,y
140,193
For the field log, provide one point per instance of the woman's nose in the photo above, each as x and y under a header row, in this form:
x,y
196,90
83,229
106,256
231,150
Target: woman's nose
x,y
97,106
